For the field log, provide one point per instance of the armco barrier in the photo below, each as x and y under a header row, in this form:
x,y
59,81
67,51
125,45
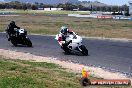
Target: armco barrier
x,y
92,16
79,15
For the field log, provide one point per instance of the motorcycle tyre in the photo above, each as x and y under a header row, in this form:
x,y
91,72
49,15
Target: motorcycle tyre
x,y
28,42
84,50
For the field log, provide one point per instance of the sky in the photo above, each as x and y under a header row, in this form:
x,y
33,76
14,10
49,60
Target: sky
x,y
111,2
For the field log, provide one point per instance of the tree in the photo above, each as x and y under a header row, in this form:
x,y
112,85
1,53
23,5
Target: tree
x,y
60,5
126,10
125,7
34,7
28,5
2,6
41,5
69,6
114,8
37,4
24,7
109,9
104,8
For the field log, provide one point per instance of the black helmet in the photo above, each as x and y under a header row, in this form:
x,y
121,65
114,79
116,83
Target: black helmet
x,y
64,30
12,23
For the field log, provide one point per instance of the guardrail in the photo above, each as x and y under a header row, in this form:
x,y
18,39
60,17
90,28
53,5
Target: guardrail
x,y
102,16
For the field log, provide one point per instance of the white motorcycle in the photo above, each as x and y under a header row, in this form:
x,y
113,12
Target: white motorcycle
x,y
74,45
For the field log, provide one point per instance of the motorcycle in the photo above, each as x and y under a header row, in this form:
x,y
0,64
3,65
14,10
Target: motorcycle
x,y
20,37
74,45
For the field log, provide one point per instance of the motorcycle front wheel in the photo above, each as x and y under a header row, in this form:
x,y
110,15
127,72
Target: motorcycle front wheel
x,y
28,42
84,50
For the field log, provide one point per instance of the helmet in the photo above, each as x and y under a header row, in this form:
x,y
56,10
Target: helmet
x,y
12,23
64,30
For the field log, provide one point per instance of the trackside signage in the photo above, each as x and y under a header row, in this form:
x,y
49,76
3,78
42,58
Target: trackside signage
x,y
110,82
104,17
85,81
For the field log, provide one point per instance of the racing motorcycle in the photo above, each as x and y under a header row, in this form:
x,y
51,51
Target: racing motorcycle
x,y
74,45
20,37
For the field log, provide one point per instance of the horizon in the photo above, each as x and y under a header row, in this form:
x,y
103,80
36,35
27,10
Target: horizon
x,y
109,2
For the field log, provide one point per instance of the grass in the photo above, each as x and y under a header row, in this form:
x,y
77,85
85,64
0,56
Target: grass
x,y
26,74
49,25
44,12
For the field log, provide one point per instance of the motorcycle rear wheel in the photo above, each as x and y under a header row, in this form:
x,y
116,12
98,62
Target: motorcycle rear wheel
x,y
14,42
66,49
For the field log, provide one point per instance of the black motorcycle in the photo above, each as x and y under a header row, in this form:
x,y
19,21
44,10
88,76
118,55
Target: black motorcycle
x,y
20,37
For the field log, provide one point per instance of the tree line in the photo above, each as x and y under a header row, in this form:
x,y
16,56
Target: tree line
x,y
66,6
35,6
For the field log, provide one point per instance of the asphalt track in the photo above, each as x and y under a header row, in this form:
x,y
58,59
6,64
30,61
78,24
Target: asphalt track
x,y
111,55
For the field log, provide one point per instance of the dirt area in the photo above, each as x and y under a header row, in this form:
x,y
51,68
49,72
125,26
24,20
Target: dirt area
x,y
96,72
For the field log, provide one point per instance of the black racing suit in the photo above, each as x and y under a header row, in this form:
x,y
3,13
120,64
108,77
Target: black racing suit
x,y
10,30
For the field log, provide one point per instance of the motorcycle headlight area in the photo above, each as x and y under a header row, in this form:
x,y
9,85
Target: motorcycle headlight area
x,y
21,31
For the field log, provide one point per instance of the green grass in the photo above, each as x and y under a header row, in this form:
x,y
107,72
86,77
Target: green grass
x,y
26,74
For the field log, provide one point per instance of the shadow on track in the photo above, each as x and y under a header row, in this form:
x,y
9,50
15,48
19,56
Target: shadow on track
x,y
74,53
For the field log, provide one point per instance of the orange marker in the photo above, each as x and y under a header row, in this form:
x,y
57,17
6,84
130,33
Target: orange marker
x,y
84,73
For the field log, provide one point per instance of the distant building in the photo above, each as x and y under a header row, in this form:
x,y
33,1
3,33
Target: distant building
x,y
40,8
52,9
76,9
130,7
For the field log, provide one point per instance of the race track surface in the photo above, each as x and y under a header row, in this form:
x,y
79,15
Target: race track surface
x,y
110,55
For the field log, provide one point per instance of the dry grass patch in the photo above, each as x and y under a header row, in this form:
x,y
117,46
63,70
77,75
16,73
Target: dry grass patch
x,y
84,26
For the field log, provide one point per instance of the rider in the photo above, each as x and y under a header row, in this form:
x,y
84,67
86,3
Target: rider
x,y
64,32
10,29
